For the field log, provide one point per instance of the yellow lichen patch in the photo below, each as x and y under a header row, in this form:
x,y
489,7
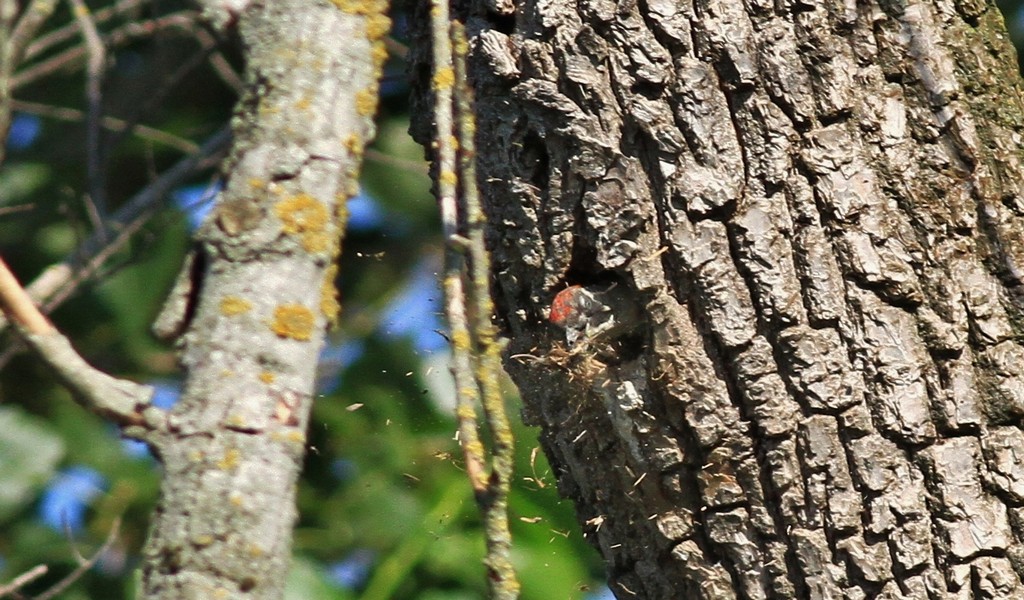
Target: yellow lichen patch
x,y
256,183
341,218
366,102
307,217
460,340
377,26
267,377
303,103
353,142
379,52
335,249
203,539
230,460
341,207
255,551
449,178
329,305
301,213
460,45
220,593
352,7
465,411
235,499
444,78
293,321
316,241
292,436
361,7
351,187
236,421
233,305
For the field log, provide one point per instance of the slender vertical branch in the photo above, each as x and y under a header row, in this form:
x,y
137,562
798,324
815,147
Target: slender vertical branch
x,y
467,391
93,95
476,354
488,357
13,42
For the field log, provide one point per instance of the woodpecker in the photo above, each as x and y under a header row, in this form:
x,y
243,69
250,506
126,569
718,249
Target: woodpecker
x,y
596,316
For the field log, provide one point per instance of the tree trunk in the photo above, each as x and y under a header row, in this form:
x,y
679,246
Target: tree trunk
x,y
261,296
819,209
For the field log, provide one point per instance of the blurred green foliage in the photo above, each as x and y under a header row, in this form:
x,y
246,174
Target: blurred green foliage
x,y
386,511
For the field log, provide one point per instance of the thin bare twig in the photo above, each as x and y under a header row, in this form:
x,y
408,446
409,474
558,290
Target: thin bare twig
x,y
120,401
22,580
32,18
12,48
83,566
8,13
62,34
17,208
63,277
114,124
396,48
97,56
227,73
220,64
18,305
184,20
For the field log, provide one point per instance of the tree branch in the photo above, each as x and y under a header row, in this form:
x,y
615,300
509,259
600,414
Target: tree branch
x,y
96,56
32,18
467,391
64,33
475,351
184,20
18,306
22,580
59,280
488,351
121,401
83,565
12,50
150,134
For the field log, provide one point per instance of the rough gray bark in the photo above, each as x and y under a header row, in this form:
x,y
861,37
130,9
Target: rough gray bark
x,y
261,294
820,208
